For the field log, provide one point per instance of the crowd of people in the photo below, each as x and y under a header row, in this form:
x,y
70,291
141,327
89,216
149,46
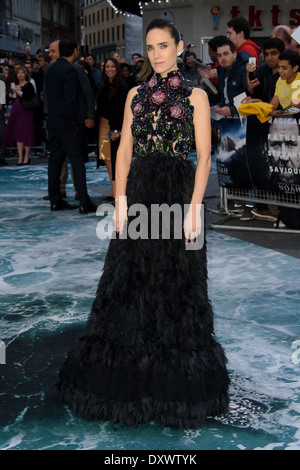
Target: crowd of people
x,y
26,117
268,75
237,65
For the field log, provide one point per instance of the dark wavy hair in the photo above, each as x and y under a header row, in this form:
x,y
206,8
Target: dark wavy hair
x,y
105,80
158,23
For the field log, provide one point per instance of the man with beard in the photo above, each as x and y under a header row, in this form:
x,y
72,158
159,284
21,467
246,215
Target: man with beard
x,y
284,155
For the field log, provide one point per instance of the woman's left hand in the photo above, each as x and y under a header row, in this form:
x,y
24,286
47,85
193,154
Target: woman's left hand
x,y
192,223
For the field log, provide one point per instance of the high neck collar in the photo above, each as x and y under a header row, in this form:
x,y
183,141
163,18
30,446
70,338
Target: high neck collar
x,y
173,73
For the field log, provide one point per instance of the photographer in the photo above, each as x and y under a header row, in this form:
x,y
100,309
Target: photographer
x,y
190,70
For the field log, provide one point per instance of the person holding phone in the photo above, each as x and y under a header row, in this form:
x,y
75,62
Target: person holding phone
x,y
262,83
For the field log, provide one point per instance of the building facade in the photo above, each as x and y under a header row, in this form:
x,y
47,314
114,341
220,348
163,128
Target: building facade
x,y
104,30
20,26
29,25
60,19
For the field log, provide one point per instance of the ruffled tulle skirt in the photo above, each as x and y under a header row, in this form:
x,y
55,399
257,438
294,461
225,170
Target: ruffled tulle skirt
x,y
148,353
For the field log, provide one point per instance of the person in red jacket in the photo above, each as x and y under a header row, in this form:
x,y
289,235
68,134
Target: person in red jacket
x,y
238,31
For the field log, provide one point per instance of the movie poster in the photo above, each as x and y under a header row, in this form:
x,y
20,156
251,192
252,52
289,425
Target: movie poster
x,y
253,155
273,151
229,145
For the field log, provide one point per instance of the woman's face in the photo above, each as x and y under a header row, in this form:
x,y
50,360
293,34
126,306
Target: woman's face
x,y
110,70
162,51
125,73
21,75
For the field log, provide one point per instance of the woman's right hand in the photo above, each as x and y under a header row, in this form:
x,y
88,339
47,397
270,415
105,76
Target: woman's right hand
x,y
120,216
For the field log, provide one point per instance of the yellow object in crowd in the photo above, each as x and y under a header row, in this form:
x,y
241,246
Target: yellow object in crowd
x,y
260,109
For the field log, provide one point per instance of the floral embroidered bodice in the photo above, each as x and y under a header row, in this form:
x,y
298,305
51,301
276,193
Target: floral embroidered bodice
x,y
163,117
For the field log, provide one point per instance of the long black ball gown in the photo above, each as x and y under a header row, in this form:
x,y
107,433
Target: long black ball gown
x,y
148,352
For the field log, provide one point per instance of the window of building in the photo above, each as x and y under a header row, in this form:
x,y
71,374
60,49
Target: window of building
x,y
107,35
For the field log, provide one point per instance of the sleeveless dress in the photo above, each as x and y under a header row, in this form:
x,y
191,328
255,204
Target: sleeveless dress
x,y
148,352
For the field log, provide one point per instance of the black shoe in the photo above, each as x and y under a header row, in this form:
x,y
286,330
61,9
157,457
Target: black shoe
x,y
27,163
62,206
88,208
247,215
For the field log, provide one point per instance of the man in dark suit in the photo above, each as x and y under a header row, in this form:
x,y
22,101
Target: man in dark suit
x,y
86,100
64,125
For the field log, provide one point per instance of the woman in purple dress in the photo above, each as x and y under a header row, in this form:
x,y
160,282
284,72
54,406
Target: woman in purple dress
x,y
19,130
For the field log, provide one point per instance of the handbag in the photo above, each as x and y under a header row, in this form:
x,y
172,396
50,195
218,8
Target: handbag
x,y
33,104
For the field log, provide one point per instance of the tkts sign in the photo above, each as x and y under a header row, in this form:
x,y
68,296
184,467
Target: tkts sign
x,y
255,20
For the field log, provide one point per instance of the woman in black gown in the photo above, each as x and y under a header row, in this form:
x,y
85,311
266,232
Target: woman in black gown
x,y
148,353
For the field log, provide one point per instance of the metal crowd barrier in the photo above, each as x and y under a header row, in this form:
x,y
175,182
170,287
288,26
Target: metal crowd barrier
x,y
255,196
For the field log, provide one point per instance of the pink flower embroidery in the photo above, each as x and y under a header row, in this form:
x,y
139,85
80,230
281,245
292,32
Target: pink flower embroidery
x,y
158,97
177,112
138,108
152,82
174,82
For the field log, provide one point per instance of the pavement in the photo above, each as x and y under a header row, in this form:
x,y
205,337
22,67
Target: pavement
x,y
257,231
